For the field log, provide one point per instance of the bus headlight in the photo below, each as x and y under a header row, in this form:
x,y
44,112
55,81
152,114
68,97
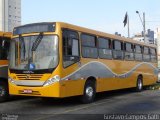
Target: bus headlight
x,y
52,80
11,81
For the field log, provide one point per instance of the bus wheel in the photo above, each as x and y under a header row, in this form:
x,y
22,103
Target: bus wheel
x,y
139,87
4,94
89,92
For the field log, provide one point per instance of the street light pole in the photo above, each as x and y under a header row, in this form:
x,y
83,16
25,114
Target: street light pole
x,y
144,27
143,24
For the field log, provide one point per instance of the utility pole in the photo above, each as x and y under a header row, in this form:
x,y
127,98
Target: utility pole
x,y
4,8
144,27
143,24
128,28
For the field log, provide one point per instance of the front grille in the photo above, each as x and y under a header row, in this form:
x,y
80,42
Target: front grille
x,y
29,77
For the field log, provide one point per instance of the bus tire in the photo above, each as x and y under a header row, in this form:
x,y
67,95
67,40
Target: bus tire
x,y
89,92
4,93
139,86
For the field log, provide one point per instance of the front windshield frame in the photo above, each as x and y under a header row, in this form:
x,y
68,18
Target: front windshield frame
x,y
54,37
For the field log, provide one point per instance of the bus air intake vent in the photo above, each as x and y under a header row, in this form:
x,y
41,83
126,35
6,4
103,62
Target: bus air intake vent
x,y
29,77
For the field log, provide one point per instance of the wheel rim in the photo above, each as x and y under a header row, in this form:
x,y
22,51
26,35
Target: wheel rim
x,y
139,84
2,92
89,91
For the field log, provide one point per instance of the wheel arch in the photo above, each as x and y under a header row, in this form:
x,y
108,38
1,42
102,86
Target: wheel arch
x,y
92,79
141,77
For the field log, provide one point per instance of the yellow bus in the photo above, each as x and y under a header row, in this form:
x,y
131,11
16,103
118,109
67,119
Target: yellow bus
x,y
62,60
5,38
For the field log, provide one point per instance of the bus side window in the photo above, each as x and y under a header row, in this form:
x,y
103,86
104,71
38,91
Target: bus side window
x,y
138,53
89,46
153,54
129,51
70,47
118,50
146,55
104,48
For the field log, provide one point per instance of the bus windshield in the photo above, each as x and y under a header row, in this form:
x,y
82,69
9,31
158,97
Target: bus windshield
x,y
26,54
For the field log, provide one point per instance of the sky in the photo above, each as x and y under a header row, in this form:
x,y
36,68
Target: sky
x,y
102,15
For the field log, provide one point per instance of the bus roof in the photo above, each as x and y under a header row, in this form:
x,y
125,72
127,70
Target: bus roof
x,y
5,34
102,34
92,32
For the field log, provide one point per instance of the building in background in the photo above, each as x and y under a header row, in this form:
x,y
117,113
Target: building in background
x,y
150,37
116,33
10,14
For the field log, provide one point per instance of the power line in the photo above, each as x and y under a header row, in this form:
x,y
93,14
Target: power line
x,y
153,21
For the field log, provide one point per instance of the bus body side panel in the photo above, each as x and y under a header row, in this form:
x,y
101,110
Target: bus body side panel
x,y
127,81
125,75
73,87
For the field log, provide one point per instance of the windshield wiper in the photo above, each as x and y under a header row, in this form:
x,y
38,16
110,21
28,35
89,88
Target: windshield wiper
x,y
22,45
37,42
33,49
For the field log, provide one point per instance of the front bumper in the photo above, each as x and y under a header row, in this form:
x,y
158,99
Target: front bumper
x,y
47,91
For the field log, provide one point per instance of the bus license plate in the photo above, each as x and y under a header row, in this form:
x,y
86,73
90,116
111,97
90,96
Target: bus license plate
x,y
27,91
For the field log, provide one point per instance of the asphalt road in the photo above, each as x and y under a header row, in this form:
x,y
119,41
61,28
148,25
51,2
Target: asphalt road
x,y
107,105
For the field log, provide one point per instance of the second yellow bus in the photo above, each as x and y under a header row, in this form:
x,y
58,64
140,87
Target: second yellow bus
x,y
5,38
